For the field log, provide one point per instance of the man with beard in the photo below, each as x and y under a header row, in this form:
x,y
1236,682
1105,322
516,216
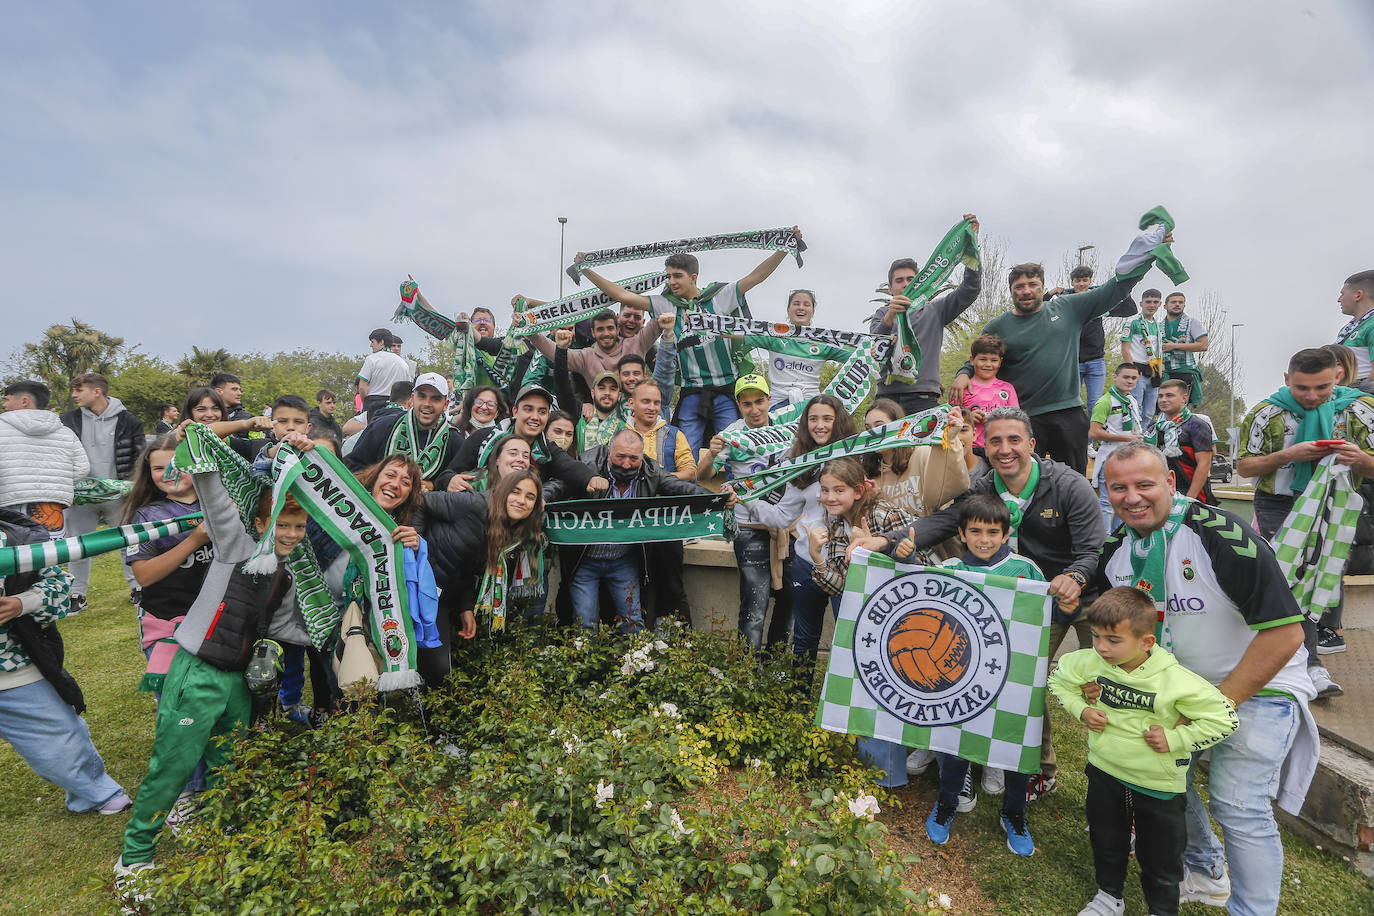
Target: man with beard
x,y
422,432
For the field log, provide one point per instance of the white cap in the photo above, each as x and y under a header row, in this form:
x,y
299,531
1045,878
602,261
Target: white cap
x,y
433,380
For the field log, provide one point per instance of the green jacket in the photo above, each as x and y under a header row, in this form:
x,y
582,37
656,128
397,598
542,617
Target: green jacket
x,y
1158,692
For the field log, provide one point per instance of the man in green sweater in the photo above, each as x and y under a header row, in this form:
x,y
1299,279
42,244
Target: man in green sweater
x,y
1041,362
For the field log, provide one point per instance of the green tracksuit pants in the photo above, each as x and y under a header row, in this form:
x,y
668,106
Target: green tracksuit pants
x,y
199,704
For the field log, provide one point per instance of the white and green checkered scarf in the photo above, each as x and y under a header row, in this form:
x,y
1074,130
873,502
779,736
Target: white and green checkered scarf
x,y
1313,543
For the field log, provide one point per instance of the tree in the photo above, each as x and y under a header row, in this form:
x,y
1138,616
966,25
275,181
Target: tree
x,y
143,383
199,365
66,351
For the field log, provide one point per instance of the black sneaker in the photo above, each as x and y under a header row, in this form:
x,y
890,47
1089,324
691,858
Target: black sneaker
x,y
968,795
136,596
1039,787
1329,642
78,603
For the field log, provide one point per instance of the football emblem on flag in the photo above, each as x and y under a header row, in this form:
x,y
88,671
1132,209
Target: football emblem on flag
x,y
931,648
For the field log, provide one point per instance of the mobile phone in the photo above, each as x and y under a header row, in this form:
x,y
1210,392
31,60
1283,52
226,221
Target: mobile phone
x,y
1328,443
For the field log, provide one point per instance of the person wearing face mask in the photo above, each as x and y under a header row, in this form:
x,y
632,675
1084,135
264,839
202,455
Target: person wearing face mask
x,y
562,431
528,420
483,407
420,432
487,559
623,568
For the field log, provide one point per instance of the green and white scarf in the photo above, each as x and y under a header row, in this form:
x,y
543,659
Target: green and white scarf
x,y
415,307
1178,330
959,246
781,239
25,558
404,435
560,313
926,428
518,578
1148,330
639,520
783,337
1149,557
343,507
500,433
1313,425
89,490
1150,250
1313,543
1166,432
1017,502
202,452
464,360
1125,405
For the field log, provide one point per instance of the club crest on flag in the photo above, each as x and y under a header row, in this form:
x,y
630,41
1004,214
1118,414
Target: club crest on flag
x,y
931,649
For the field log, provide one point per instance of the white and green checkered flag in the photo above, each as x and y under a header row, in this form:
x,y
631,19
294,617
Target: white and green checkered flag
x,y
1313,543
943,659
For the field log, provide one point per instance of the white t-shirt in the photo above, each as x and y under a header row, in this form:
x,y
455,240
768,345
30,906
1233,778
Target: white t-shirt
x,y
383,369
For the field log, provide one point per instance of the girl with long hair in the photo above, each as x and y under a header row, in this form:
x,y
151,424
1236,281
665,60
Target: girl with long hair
x,y
851,502
204,405
917,479
823,420
483,407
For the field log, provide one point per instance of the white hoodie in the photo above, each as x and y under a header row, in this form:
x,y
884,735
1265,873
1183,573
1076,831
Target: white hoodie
x,y
40,459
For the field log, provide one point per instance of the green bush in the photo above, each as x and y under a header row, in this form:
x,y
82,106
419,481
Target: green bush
x,y
577,775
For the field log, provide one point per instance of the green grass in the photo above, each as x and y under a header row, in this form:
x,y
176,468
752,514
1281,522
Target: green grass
x,y
53,862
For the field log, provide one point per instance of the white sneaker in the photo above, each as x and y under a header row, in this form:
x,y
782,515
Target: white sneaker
x,y
918,761
968,796
994,781
1321,679
126,879
182,813
1104,904
1200,887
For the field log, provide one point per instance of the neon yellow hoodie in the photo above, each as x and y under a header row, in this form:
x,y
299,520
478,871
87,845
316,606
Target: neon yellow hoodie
x,y
1158,692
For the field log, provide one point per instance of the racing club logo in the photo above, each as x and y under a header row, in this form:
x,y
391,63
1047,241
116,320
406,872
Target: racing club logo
x,y
931,649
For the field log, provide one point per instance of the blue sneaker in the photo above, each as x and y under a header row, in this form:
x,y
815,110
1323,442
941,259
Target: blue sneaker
x,y
1018,837
938,824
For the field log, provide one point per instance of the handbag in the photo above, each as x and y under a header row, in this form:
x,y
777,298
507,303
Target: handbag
x,y
354,658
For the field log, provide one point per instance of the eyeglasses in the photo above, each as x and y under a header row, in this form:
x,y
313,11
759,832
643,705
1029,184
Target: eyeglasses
x,y
489,405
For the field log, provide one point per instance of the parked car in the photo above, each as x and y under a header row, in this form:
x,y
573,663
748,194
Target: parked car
x,y
1221,468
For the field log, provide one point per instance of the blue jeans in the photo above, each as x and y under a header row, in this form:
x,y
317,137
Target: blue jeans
x,y
1145,395
56,743
1244,783
693,424
755,581
622,581
808,608
1093,374
1109,519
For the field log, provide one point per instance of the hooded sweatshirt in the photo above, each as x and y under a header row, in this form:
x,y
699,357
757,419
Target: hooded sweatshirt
x,y
40,459
1158,692
98,436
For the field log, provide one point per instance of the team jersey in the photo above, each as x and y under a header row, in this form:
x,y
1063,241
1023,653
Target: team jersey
x,y
1113,414
1269,428
171,596
987,397
708,363
1003,563
1222,586
1360,338
1186,329
1144,337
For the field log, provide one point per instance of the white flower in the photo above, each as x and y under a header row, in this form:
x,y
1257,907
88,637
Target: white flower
x,y
669,710
648,804
647,665
680,829
660,645
716,673
755,762
580,642
865,806
945,902
559,771
617,733
572,744
628,669
604,877
604,793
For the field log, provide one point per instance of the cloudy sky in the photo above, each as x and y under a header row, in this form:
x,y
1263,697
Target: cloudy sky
x,y
262,176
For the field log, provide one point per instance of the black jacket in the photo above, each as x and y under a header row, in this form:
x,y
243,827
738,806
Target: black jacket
x,y
371,445
559,466
320,423
128,439
244,615
455,527
1061,529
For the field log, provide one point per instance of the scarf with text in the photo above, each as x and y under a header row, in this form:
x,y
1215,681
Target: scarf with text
x,y
89,490
560,313
1017,502
1148,330
1313,425
1150,250
929,427
638,520
1313,543
781,239
959,246
1166,432
792,339
1149,555
519,577
416,307
202,452
26,558
343,507
465,362
405,435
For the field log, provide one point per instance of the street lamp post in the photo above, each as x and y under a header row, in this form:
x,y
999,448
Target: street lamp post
x,y
1235,437
562,228
1081,249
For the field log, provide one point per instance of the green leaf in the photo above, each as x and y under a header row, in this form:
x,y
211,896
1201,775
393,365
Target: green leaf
x,y
824,864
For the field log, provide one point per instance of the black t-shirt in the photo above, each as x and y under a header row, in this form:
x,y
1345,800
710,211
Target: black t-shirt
x,y
172,596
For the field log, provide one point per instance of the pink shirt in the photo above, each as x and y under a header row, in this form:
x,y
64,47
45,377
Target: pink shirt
x,y
987,397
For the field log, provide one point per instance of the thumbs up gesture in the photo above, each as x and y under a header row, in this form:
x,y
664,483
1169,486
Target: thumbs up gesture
x,y
907,546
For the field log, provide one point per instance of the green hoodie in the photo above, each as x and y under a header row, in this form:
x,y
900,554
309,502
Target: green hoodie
x,y
1158,692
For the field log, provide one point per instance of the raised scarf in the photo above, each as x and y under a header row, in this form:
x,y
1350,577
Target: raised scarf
x,y
1150,250
781,239
1166,432
518,578
464,360
1313,425
959,246
415,307
89,490
25,558
1313,543
638,520
929,427
1126,405
404,436
1017,502
560,313
1149,556
202,452
343,507
783,337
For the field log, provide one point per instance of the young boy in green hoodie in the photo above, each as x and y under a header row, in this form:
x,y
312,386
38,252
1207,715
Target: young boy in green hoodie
x,y
1150,717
